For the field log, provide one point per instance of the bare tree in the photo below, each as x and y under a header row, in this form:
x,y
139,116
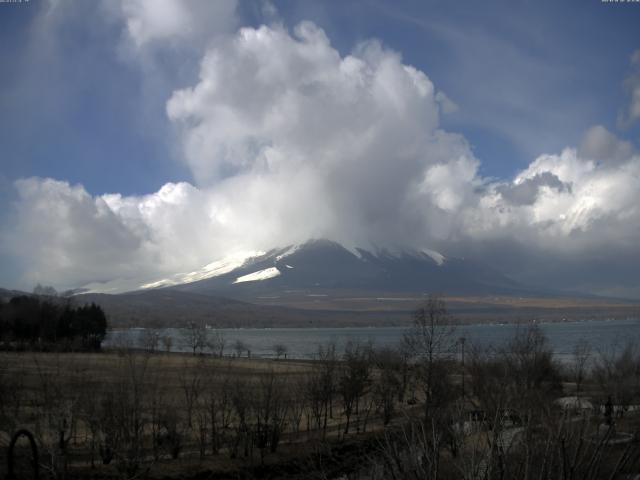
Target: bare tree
x,y
617,372
150,340
406,453
53,425
489,375
216,343
297,402
240,347
173,431
327,362
280,349
354,378
241,401
123,419
156,409
564,449
167,343
202,424
534,377
388,382
431,342
269,408
580,366
316,400
191,384
195,337
218,398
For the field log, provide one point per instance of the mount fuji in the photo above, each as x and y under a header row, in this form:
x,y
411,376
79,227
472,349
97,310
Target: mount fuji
x,y
327,266
323,283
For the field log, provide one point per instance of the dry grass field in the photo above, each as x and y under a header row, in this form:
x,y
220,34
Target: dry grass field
x,y
365,414
390,308
194,413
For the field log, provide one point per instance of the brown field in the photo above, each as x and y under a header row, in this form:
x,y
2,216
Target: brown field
x,y
342,308
393,308
52,389
363,414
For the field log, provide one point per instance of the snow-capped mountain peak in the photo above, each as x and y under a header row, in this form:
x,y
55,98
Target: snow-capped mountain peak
x,y
324,264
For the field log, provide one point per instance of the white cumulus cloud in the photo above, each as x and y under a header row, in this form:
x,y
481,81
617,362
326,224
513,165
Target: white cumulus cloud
x,y
148,23
360,133
288,139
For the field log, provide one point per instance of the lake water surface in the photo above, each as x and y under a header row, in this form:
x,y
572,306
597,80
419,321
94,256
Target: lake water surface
x,y
304,342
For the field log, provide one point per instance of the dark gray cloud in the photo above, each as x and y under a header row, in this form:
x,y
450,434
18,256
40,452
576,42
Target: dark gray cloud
x,y
601,145
631,114
526,192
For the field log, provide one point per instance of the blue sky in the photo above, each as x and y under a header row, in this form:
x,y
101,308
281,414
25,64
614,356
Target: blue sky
x,y
85,99
528,78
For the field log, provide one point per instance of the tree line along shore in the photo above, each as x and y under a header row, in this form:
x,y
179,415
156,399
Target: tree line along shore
x,y
47,322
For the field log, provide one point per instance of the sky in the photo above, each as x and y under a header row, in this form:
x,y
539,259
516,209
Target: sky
x,y
142,138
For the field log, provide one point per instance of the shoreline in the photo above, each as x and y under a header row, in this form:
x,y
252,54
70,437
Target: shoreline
x,y
544,321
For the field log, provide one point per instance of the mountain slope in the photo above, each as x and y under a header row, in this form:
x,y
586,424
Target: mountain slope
x,y
322,265
321,283
170,308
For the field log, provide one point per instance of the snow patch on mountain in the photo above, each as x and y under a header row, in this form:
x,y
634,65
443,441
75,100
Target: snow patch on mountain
x,y
213,269
265,274
435,256
289,251
165,282
399,253
358,252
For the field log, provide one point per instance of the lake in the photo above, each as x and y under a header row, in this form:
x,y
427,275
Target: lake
x,y
304,342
